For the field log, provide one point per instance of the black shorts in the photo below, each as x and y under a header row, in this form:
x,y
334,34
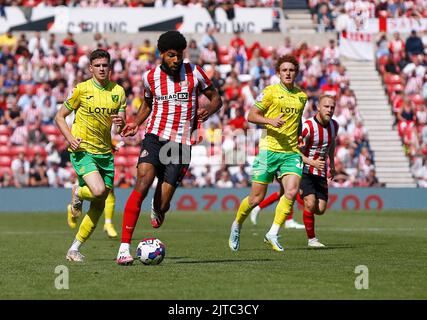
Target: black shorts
x,y
311,184
171,159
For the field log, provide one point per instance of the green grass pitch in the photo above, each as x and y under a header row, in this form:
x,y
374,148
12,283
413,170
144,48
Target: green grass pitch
x,y
199,264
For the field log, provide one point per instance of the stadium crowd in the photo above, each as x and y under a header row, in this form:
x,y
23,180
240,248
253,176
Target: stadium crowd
x,y
334,14
36,75
141,3
403,65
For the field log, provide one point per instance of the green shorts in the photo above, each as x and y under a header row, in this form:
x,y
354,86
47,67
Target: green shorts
x,y
269,164
85,163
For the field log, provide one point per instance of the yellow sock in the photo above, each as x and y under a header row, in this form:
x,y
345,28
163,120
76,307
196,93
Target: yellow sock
x,y
244,210
283,209
84,193
110,204
89,223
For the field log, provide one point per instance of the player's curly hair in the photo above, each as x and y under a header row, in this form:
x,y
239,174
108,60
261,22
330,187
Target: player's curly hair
x,y
287,58
171,40
99,53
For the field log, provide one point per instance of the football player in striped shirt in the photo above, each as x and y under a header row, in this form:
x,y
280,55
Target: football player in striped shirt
x,y
279,108
99,105
317,144
171,105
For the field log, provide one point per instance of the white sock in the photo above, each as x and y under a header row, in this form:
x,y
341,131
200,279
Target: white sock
x,y
108,221
124,247
274,230
236,225
76,245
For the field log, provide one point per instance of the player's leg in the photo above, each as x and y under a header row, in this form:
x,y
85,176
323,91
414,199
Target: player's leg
x,y
148,164
146,172
290,183
90,187
110,204
256,195
161,203
86,228
289,167
264,204
320,209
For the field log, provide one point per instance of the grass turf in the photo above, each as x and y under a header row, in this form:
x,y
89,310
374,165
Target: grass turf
x,y
199,264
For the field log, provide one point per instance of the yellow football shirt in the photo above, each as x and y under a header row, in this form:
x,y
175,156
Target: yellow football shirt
x,y
93,106
274,100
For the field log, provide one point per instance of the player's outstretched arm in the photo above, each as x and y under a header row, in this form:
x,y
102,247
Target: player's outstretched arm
x,y
144,111
60,116
215,104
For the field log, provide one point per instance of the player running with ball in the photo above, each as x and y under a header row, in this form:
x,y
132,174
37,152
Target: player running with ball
x,y
170,99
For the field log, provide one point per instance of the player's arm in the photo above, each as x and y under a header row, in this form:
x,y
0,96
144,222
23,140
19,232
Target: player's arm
x,y
65,130
215,103
319,164
144,111
256,115
331,155
119,121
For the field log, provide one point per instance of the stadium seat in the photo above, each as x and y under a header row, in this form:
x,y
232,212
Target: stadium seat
x,y
131,161
5,130
4,140
4,170
223,50
50,129
5,151
392,79
417,99
132,151
31,151
5,161
224,59
15,150
120,161
382,61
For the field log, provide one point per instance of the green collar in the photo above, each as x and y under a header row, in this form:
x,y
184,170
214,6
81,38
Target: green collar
x,y
286,89
98,86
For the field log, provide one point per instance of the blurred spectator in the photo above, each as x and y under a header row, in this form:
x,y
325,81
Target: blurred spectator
x,y
413,44
21,171
224,180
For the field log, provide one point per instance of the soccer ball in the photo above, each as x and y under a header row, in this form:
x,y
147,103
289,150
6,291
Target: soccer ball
x,y
150,251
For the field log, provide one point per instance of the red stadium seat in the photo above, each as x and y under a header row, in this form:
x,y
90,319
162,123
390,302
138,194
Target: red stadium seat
x,y
5,151
50,129
15,150
7,170
224,59
131,161
382,61
4,140
392,79
120,161
417,99
5,161
5,130
132,151
223,50
31,151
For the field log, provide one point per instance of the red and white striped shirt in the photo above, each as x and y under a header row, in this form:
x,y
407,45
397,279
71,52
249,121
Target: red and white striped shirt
x,y
175,102
318,140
